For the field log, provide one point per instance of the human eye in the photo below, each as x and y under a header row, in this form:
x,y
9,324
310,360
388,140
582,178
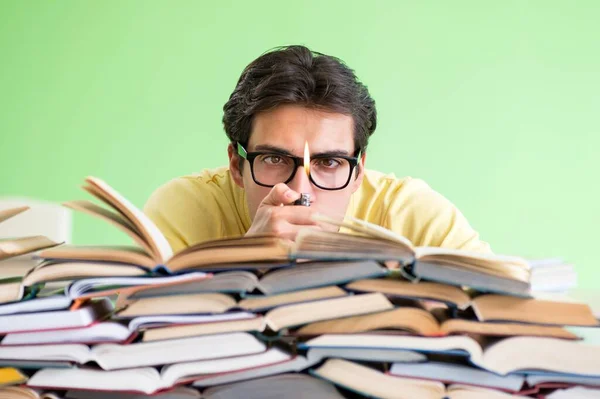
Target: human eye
x,y
273,160
329,163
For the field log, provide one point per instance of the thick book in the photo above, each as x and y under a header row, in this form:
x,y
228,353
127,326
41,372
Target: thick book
x,y
254,324
83,287
555,380
114,356
373,383
289,386
40,304
449,295
422,322
266,302
455,373
303,276
487,307
279,318
149,380
179,392
481,271
367,355
176,326
508,355
85,316
295,364
151,327
86,279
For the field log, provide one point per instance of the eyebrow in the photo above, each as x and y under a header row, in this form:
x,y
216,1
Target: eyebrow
x,y
283,151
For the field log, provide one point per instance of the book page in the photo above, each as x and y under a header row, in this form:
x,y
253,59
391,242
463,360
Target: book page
x,y
114,218
372,382
272,250
6,214
526,310
541,353
497,329
413,320
118,254
370,229
482,264
297,314
422,290
422,252
24,245
151,233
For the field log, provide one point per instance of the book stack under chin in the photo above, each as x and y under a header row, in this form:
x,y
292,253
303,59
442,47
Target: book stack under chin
x,y
356,313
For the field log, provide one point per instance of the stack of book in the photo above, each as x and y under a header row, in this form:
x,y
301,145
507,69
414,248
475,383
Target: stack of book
x,y
355,313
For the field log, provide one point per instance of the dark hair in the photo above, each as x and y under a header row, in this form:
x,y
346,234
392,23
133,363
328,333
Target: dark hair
x,y
297,75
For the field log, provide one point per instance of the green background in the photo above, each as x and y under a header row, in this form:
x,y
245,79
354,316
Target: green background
x,y
495,104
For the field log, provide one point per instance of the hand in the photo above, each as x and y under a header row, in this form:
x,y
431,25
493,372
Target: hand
x,y
283,221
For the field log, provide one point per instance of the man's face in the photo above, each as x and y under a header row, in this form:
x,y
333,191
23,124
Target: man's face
x,y
288,128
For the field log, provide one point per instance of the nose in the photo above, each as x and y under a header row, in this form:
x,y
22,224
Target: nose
x,y
301,183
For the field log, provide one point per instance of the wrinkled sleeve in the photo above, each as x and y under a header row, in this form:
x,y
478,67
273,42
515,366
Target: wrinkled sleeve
x,y
429,219
177,210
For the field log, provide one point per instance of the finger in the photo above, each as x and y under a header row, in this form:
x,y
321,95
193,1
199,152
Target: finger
x,y
296,215
280,194
290,231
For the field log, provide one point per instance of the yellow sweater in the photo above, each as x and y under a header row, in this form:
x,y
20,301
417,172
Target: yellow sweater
x,y
209,205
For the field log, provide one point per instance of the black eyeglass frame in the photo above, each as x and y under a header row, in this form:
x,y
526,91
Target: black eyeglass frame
x,y
298,162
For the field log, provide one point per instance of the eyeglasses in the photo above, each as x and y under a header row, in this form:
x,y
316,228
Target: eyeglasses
x,y
327,172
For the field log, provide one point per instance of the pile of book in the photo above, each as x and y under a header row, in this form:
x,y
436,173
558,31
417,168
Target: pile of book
x,y
360,312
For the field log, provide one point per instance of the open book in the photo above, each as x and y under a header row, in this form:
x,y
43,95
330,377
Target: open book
x,y
149,380
153,248
250,303
179,392
83,288
421,322
485,272
114,356
456,373
84,316
124,333
374,383
306,276
487,307
509,355
288,386
276,319
168,327
20,246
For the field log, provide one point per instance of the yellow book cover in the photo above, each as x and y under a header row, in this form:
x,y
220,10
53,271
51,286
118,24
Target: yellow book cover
x,y
11,376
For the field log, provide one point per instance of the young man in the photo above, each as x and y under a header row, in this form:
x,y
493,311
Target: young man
x,y
285,100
